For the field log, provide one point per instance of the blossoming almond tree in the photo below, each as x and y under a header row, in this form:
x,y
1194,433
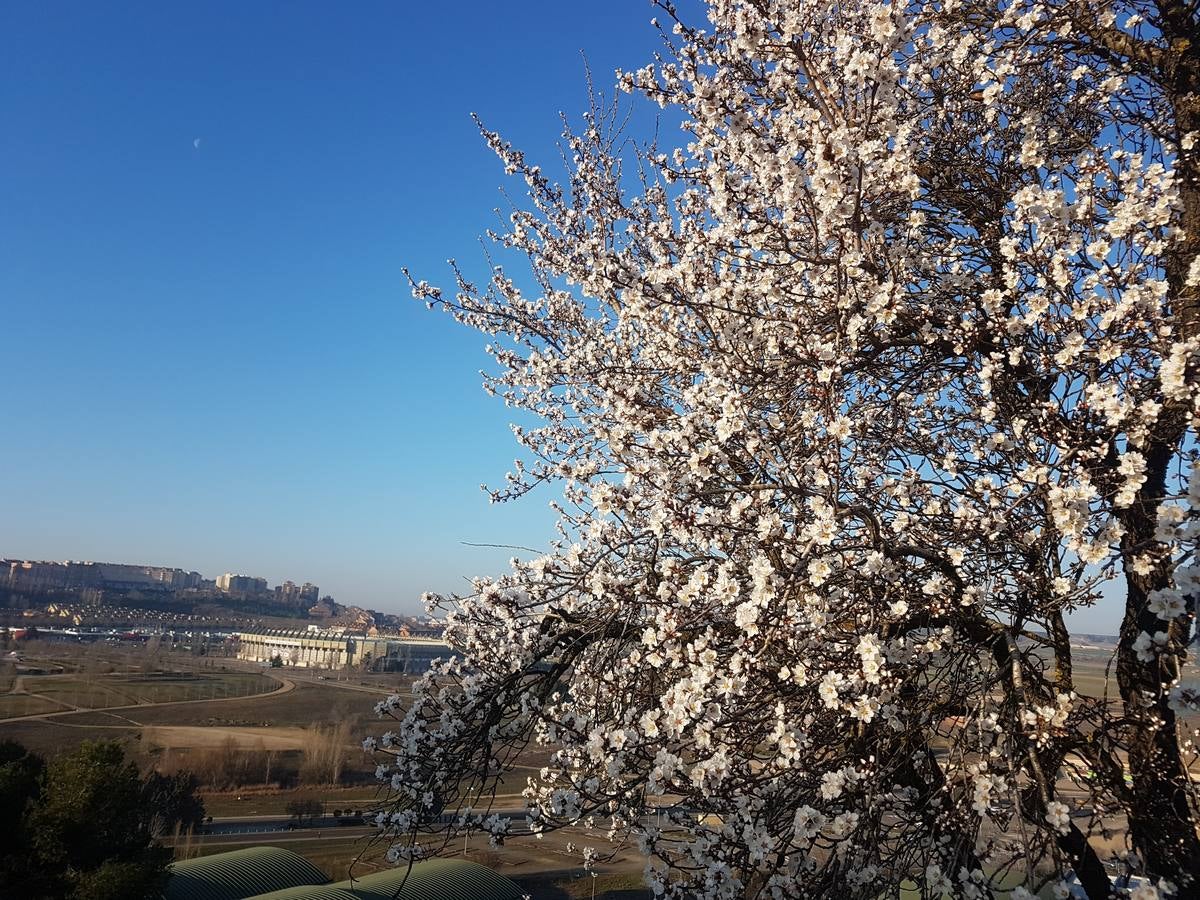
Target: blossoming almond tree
x,y
854,395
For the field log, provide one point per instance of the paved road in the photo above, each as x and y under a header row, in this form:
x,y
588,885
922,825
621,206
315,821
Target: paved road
x,y
254,838
223,827
253,829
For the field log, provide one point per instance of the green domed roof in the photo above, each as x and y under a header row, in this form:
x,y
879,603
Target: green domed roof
x,y
435,879
240,873
272,873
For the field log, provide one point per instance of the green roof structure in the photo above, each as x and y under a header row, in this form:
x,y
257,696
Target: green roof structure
x,y
240,873
310,892
272,873
431,879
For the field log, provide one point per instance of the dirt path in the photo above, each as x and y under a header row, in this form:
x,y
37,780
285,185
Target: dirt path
x,y
347,686
130,722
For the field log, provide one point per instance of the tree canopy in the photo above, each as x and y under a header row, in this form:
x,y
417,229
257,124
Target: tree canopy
x,y
856,392
83,825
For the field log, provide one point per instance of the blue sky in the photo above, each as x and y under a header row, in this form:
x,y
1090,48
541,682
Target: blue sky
x,y
210,358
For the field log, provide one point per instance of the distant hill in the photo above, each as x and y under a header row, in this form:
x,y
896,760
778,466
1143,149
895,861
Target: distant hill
x,y
1106,641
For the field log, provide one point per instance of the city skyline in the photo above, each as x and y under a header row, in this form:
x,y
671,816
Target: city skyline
x,y
78,572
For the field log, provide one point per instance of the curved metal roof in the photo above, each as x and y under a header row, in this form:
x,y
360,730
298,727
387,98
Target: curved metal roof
x,y
240,873
309,892
432,879
435,879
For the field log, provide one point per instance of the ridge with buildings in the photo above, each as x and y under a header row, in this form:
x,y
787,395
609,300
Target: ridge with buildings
x,y
107,593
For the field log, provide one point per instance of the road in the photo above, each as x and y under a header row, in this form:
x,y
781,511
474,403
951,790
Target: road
x,y
275,836
252,829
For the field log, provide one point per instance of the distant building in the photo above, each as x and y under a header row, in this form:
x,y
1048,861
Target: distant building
x,y
325,608
287,594
241,584
43,575
291,594
317,648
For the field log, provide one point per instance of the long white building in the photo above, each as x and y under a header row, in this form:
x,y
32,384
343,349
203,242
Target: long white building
x,y
337,649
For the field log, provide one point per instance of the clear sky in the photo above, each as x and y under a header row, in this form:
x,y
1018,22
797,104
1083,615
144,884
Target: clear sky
x,y
210,358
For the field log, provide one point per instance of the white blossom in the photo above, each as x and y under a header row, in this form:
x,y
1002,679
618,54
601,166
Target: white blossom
x,y
857,385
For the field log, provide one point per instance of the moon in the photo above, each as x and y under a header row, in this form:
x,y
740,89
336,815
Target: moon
x,y
196,143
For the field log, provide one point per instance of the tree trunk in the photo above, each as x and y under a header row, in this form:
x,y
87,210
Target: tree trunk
x,y
1162,822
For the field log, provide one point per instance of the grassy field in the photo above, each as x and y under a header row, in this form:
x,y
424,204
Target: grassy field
x,y
308,703
280,716
606,886
105,691
13,705
207,736
49,738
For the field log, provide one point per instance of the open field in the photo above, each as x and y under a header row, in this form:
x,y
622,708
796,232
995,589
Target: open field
x,y
231,724
49,739
275,722
309,702
12,705
195,737
105,691
1093,675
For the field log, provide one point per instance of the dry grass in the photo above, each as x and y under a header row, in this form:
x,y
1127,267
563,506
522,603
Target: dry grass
x,y
14,705
195,737
306,704
49,738
105,691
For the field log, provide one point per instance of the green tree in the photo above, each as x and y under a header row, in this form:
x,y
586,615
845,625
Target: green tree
x,y
20,783
118,880
20,786
83,825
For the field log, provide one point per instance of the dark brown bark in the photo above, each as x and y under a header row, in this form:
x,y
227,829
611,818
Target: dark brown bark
x,y
1163,823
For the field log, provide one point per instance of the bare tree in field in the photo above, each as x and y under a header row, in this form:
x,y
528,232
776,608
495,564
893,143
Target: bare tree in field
x,y
855,392
326,748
